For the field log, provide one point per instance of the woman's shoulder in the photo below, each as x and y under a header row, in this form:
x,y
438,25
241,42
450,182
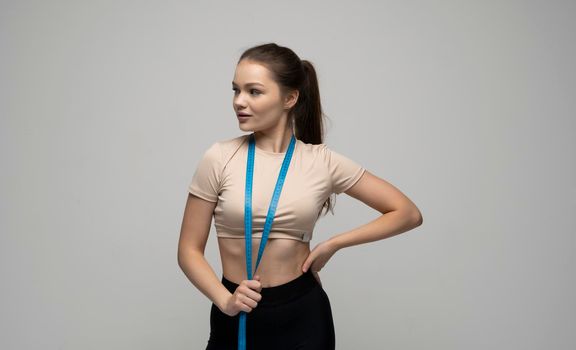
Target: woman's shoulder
x,y
230,143
227,147
313,147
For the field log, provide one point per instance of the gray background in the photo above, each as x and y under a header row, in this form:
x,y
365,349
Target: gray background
x,y
467,107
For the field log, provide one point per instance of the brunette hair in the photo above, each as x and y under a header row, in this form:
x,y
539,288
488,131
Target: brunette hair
x,y
292,73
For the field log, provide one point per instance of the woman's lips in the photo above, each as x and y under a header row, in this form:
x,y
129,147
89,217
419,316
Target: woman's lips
x,y
243,117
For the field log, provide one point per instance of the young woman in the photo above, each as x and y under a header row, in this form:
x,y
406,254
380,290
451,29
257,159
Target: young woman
x,y
273,183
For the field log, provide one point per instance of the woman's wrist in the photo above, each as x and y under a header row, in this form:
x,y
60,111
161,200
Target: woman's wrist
x,y
333,244
222,300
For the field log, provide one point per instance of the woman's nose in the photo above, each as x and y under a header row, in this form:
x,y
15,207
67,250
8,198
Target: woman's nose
x,y
239,102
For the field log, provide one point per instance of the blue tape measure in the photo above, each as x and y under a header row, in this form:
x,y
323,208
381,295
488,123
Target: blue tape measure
x,y
267,225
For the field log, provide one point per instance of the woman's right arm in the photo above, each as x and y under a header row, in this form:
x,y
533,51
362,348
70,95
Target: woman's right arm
x,y
193,237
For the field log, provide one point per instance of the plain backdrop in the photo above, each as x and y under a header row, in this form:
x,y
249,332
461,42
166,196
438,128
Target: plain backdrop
x,y
467,107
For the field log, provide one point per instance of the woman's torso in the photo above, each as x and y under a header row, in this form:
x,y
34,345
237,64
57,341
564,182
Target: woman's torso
x,y
281,260
315,172
300,200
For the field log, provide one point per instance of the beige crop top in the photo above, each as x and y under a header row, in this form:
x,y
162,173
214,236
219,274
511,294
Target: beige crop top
x,y
315,172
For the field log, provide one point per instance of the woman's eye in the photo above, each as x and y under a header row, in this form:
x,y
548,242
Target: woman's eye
x,y
251,91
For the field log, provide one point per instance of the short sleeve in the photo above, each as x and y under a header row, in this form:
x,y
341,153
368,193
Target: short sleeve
x,y
344,172
206,179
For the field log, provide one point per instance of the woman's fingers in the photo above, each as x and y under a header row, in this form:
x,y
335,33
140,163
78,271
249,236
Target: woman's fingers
x,y
249,301
248,294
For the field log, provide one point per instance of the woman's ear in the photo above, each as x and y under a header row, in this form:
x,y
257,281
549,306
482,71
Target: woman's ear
x,y
291,99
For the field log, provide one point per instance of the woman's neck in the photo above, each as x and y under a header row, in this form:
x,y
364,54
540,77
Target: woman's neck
x,y
276,141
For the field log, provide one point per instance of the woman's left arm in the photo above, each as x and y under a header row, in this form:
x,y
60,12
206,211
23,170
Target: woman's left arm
x,y
399,214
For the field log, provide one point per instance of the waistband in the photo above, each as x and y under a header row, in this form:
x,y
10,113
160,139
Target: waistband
x,y
281,293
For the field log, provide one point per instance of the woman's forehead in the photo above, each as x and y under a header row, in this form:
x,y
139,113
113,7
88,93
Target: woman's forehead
x,y
251,73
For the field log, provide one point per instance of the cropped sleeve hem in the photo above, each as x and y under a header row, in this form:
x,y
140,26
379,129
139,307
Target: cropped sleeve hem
x,y
352,181
205,183
343,171
202,195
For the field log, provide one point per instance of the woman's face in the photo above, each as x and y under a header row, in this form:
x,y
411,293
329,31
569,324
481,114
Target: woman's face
x,y
258,96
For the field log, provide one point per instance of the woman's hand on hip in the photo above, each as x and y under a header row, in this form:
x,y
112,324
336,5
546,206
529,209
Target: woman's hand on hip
x,y
319,256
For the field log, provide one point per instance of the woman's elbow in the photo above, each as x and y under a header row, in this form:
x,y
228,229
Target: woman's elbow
x,y
416,217
412,215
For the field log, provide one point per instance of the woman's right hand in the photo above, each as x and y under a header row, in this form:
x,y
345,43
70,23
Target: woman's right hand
x,y
245,297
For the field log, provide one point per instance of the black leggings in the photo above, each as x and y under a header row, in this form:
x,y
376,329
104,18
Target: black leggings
x,y
294,315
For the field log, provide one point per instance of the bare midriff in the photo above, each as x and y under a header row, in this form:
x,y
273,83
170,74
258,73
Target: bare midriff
x,y
281,261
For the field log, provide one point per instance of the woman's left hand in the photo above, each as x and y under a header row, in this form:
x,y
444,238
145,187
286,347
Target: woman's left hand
x,y
319,256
